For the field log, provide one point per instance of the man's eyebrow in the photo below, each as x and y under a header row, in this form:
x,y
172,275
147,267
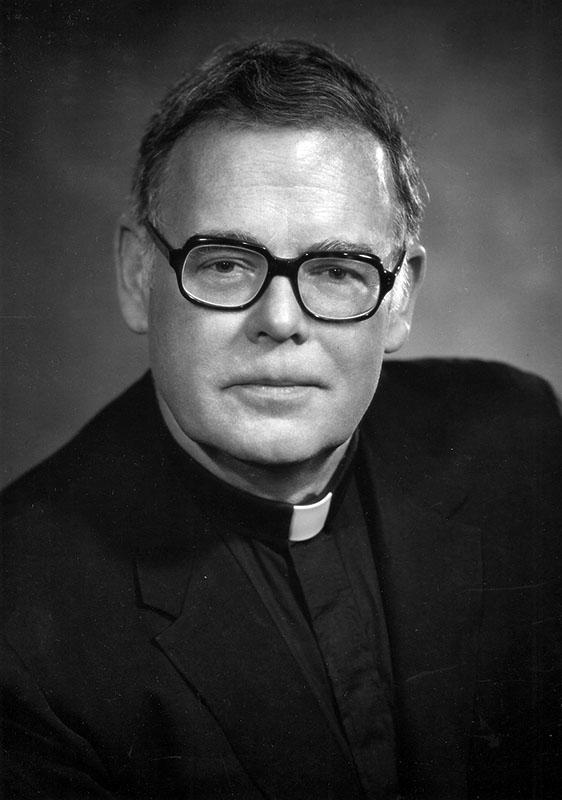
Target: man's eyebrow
x,y
237,234
326,245
341,244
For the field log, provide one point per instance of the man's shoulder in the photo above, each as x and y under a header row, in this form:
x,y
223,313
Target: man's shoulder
x,y
478,416
93,453
481,437
468,421
449,376
460,391
71,527
91,483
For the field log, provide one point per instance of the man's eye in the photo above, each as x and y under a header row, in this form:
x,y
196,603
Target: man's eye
x,y
221,266
224,266
337,273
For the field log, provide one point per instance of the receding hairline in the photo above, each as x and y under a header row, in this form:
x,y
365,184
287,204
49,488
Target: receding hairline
x,y
236,123
287,83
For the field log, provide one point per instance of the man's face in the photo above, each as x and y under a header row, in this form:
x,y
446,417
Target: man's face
x,y
269,384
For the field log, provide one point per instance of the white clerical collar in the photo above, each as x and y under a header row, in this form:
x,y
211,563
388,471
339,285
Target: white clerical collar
x,y
307,521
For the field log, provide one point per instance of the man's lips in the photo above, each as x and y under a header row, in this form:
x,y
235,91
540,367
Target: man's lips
x,y
284,382
283,393
279,396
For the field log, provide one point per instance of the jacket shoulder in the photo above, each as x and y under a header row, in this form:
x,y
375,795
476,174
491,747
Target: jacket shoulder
x,y
456,395
90,456
67,512
473,421
433,377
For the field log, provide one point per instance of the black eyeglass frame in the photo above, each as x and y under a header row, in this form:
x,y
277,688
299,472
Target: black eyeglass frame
x,y
284,267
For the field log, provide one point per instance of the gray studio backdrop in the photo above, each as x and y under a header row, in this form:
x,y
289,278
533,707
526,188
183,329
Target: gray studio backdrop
x,y
480,84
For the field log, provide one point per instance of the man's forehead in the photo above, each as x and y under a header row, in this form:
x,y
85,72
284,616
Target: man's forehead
x,y
215,172
199,147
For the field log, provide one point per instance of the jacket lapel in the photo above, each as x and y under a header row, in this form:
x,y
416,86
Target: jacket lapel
x,y
229,651
429,564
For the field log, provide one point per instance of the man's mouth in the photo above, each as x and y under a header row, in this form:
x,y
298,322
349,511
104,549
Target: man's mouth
x,y
278,381
267,391
288,384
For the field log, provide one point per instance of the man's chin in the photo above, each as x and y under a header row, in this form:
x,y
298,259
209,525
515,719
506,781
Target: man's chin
x,y
275,454
281,455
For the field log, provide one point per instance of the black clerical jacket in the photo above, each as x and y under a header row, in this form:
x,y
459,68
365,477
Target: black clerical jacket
x,y
141,662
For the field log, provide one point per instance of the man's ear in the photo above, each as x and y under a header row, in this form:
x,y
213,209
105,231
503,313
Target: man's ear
x,y
132,262
402,303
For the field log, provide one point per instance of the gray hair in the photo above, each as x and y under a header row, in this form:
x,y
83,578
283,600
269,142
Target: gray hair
x,y
285,83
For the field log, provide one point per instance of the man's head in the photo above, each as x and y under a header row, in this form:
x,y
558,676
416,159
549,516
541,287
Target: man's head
x,y
288,147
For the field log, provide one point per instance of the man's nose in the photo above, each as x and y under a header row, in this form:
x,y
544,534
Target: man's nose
x,y
278,315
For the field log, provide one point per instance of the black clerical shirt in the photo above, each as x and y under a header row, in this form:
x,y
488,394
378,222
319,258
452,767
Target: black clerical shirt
x,y
324,597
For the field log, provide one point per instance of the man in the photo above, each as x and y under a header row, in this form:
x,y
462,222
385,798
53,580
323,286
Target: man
x,y
275,568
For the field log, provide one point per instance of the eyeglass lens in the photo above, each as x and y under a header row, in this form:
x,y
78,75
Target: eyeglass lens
x,y
228,276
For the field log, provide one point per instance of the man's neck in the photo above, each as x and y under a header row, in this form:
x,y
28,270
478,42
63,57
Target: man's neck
x,y
290,483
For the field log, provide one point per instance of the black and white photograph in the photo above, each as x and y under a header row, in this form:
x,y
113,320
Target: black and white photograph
x,y
280,423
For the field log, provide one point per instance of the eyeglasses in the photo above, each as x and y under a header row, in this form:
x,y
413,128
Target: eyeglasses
x,y
231,275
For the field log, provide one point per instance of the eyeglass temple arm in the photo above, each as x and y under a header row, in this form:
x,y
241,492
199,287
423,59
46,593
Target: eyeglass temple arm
x,y
399,263
158,240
